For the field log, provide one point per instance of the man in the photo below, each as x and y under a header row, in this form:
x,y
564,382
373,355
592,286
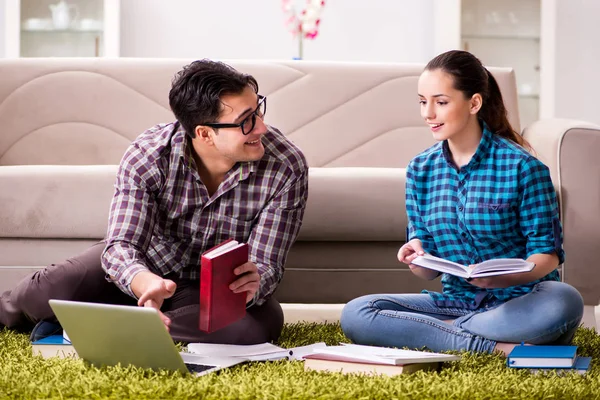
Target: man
x,y
216,173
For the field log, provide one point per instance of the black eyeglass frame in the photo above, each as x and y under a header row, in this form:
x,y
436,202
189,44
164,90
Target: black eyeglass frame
x,y
262,101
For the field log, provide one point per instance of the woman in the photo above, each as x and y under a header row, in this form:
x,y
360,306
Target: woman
x,y
476,195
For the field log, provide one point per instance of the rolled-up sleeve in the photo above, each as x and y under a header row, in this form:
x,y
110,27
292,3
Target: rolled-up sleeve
x,y
276,230
131,220
539,218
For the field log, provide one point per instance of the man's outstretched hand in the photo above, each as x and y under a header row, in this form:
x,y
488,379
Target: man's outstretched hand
x,y
152,290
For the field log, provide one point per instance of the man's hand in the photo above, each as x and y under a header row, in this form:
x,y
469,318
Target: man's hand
x,y
248,281
152,290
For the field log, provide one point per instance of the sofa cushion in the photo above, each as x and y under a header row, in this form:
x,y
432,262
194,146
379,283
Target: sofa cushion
x,y
355,204
53,201
50,201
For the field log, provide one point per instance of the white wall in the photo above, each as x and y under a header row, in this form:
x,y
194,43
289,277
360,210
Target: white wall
x,y
357,30
570,89
2,30
351,30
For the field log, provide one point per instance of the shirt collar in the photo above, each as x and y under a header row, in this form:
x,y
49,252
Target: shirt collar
x,y
480,153
182,146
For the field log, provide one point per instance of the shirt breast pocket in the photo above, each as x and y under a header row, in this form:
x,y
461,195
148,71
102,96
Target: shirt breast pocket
x,y
234,228
497,219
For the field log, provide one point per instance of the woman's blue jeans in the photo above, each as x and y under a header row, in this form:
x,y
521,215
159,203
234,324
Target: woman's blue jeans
x,y
549,314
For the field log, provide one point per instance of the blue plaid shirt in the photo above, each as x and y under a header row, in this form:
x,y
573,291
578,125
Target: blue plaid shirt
x,y
502,204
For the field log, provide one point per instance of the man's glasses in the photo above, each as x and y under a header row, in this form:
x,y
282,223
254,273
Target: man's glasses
x,y
248,123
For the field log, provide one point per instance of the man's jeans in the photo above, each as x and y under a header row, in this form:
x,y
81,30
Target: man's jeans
x,y
550,314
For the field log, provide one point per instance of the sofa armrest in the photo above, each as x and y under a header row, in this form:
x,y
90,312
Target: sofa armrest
x,y
570,149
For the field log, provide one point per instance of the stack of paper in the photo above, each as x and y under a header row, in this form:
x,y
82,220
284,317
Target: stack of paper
x,y
545,358
381,355
351,358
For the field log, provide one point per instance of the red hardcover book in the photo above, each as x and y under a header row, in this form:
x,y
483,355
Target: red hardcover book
x,y
219,306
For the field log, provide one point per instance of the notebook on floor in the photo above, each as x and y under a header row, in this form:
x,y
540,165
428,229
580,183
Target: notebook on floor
x,y
104,334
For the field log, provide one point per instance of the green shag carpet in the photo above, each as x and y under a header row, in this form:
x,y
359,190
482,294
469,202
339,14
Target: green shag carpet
x,y
480,376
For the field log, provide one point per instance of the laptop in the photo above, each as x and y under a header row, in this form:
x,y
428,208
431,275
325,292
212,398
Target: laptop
x,y
105,334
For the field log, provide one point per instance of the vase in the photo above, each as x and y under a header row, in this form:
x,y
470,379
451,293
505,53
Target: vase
x,y
300,47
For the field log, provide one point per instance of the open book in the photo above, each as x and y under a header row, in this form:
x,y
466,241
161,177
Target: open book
x,y
253,352
498,266
377,355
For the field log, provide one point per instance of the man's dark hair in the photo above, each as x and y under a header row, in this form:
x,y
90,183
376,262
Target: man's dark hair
x,y
195,96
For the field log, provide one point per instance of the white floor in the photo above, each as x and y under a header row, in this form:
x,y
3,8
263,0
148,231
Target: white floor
x,y
591,317
597,322
295,312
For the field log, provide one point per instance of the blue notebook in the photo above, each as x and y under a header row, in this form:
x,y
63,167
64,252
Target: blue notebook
x,y
582,363
542,357
581,366
52,346
54,339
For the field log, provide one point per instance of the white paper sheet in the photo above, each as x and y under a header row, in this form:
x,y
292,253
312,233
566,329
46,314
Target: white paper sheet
x,y
380,355
298,353
234,350
257,352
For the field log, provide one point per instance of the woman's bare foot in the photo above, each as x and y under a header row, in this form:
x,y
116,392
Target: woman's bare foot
x,y
506,348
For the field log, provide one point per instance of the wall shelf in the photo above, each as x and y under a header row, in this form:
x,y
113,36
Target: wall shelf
x,y
507,34
500,37
529,96
90,29
71,31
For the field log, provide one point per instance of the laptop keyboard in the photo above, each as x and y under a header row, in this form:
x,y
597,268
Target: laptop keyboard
x,y
196,368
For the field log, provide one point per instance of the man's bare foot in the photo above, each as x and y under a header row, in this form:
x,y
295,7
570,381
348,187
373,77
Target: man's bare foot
x,y
506,348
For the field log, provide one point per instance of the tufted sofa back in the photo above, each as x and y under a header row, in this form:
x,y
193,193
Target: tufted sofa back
x,y
340,114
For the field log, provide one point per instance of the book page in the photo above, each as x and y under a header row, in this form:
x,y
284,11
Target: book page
x,y
388,352
439,264
223,249
499,266
232,350
503,263
380,355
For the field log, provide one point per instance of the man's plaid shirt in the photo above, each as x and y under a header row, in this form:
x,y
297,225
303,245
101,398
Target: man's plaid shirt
x,y
502,204
162,218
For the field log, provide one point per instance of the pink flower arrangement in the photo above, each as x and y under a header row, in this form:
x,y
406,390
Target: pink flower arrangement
x,y
303,24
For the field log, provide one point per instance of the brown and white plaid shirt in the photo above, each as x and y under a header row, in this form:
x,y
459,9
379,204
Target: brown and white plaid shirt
x,y
162,218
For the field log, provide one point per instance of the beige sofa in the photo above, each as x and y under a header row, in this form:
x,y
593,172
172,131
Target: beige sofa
x,y
65,124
